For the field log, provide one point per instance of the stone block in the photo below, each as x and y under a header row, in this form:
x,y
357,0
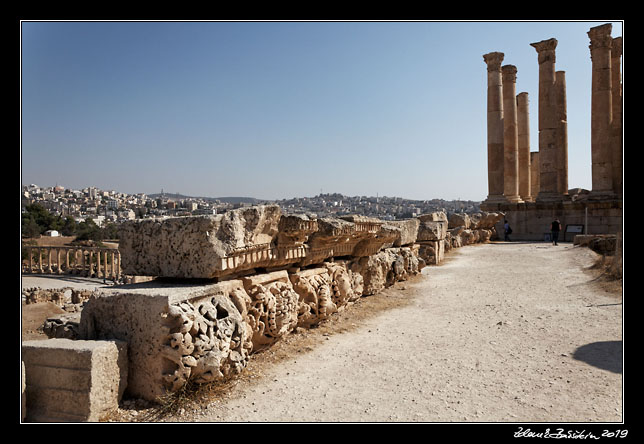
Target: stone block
x,y
408,231
73,381
199,246
431,230
174,332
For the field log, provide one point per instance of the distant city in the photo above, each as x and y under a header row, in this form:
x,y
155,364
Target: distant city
x,y
104,206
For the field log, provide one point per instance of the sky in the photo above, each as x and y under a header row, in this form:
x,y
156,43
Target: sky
x,y
276,110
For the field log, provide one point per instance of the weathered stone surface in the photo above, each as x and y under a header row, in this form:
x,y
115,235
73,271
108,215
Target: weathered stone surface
x,y
431,230
407,231
196,247
388,266
437,216
62,326
174,332
73,381
271,307
315,302
485,220
459,220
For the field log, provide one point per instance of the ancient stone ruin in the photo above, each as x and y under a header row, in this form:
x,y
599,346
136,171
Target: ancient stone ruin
x,y
229,285
531,188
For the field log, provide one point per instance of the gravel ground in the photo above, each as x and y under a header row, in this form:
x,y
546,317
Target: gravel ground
x,y
500,332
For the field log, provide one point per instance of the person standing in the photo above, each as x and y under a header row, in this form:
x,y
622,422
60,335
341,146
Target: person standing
x,y
555,228
507,231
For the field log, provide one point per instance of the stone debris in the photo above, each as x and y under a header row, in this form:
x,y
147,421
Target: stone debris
x,y
246,279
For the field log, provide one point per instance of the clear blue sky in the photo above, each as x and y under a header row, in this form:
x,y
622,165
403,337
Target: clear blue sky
x,y
276,110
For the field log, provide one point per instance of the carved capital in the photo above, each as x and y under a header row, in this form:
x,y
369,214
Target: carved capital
x,y
493,60
509,73
600,36
546,50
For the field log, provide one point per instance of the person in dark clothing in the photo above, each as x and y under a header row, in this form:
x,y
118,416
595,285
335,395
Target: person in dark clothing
x,y
507,231
555,228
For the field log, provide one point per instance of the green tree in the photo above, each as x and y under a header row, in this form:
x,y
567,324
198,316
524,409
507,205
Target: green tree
x,y
69,227
88,230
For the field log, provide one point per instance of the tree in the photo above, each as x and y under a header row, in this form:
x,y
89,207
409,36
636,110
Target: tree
x,y
69,227
88,230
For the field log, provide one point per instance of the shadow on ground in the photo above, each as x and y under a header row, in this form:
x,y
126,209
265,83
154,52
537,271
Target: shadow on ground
x,y
606,355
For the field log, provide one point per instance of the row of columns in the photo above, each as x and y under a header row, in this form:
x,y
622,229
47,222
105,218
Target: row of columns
x,y
517,175
92,262
508,130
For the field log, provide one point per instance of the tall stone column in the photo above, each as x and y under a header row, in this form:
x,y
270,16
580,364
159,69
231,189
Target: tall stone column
x,y
534,174
616,86
601,111
562,133
548,180
495,154
510,135
523,124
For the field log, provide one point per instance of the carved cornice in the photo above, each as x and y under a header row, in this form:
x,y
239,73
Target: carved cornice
x,y
546,50
509,73
493,60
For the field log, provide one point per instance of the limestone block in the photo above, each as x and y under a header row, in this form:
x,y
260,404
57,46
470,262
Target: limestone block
x,y
295,229
73,381
437,216
485,220
459,220
431,230
408,231
315,302
195,247
385,268
272,307
175,332
433,252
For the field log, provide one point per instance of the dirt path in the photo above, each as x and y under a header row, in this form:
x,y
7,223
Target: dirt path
x,y
515,332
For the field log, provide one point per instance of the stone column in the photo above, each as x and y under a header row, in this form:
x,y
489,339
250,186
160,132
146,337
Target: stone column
x,y
495,153
562,133
523,124
548,180
534,174
616,86
510,135
601,111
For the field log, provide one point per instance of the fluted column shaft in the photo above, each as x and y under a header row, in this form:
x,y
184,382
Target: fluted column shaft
x,y
510,135
548,122
562,133
523,125
495,155
601,111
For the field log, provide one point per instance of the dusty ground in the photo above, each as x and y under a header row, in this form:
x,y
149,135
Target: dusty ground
x,y
502,332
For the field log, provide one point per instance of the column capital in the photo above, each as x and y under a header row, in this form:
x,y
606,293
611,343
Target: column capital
x,y
600,36
509,73
493,60
546,50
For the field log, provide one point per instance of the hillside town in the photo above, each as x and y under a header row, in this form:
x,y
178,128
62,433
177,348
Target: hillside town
x,y
109,206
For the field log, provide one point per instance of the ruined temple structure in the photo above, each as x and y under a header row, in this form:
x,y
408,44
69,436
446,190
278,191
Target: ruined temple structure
x,y
531,188
228,285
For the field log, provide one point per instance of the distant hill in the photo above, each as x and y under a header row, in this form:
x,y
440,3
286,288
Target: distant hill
x,y
232,200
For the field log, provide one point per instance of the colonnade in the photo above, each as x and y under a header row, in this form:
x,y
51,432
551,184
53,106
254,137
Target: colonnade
x,y
513,176
86,261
